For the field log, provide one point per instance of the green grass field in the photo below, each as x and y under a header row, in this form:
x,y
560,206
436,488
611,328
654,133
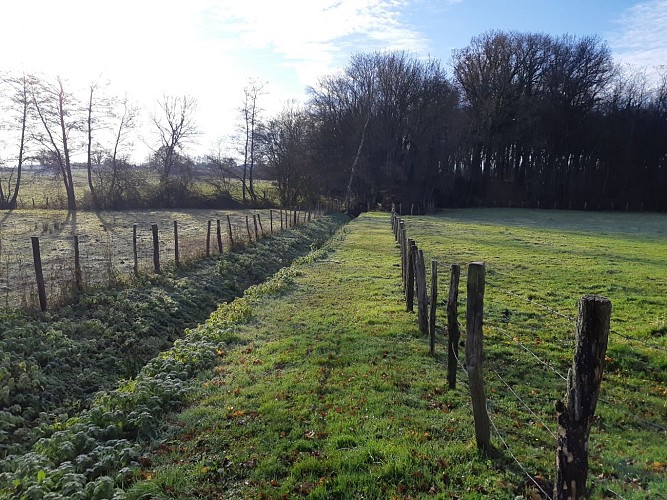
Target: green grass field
x,y
332,394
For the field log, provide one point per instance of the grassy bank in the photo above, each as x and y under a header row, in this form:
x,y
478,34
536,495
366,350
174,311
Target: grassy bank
x,y
331,394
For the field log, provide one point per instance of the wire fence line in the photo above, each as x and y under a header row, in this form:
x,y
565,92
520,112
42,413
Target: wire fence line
x,y
534,302
516,340
573,319
532,353
516,460
525,405
108,254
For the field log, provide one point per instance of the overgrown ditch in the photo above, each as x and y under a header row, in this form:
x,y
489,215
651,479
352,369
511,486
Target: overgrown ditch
x,y
52,364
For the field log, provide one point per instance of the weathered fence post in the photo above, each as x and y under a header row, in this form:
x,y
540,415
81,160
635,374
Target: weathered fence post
x,y
156,249
281,220
271,221
77,265
37,258
247,226
134,249
261,228
453,333
474,342
208,239
218,233
434,305
410,280
575,415
254,221
422,293
403,240
231,236
177,259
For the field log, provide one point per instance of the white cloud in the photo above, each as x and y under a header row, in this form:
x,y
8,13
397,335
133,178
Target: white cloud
x,y
312,36
206,48
641,38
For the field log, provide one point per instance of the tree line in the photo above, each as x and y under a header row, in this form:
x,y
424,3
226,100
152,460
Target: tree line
x,y
43,122
521,119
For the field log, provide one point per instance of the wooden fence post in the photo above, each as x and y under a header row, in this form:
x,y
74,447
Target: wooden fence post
x,y
453,333
281,219
77,265
403,239
575,415
259,220
422,293
231,236
247,226
134,249
474,341
434,305
254,221
39,275
208,239
271,221
410,280
156,249
218,232
177,260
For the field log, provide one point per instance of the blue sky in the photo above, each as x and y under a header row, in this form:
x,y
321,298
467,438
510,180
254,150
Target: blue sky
x,y
209,48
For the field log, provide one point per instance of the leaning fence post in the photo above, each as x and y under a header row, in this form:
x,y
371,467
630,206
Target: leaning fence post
x,y
422,295
474,342
453,333
403,240
410,280
77,264
156,249
254,221
231,237
37,258
208,239
176,256
433,310
247,226
218,232
259,221
134,249
575,415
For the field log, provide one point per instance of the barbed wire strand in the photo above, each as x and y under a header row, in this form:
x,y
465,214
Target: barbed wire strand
x,y
614,492
524,403
639,341
633,415
528,350
514,457
534,302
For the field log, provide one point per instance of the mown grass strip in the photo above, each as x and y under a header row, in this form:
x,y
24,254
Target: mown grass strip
x,y
332,396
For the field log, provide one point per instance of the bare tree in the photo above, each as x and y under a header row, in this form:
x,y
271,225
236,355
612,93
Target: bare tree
x,y
19,102
115,178
175,124
250,112
285,147
222,168
58,113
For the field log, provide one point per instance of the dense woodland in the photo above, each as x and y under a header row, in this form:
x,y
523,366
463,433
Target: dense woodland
x,y
516,119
